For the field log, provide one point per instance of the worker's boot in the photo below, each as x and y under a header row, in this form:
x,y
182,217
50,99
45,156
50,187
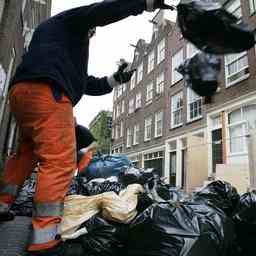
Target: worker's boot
x,y
5,213
56,251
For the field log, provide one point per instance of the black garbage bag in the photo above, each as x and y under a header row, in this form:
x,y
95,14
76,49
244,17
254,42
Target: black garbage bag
x,y
133,175
23,205
99,186
245,221
178,230
103,238
201,73
211,28
220,194
104,166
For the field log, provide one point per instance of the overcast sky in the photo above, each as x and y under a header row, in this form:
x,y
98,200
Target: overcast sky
x,y
109,45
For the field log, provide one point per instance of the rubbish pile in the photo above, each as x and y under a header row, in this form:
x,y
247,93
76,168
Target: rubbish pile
x,y
135,213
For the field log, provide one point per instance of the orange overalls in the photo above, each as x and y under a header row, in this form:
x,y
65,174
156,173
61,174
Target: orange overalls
x,y
47,137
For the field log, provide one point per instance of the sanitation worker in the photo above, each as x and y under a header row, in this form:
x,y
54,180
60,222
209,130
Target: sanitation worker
x,y
50,80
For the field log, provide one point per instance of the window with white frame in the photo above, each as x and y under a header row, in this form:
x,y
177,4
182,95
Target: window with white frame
x,y
177,60
140,73
114,114
148,129
138,101
236,65
160,83
121,129
161,51
194,106
240,122
113,132
129,138
149,92
159,124
117,132
191,50
177,107
235,8
133,81
151,61
120,90
136,134
252,4
123,88
131,106
118,110
122,107
236,68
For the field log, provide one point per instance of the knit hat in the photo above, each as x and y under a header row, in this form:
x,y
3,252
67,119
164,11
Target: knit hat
x,y
84,138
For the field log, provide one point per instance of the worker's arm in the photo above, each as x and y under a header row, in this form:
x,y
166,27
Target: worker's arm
x,y
100,86
97,86
109,11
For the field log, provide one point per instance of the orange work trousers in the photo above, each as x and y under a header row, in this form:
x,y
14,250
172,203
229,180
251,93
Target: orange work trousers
x,y
47,138
85,161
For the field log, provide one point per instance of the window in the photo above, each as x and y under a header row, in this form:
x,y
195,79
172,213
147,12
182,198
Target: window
x,y
122,107
252,6
177,106
236,65
117,131
129,138
236,68
140,73
240,122
161,51
118,110
119,90
194,105
149,93
121,129
148,129
2,80
115,94
114,114
151,61
113,132
138,100
123,88
136,134
191,50
160,83
177,60
131,106
234,7
133,81
159,124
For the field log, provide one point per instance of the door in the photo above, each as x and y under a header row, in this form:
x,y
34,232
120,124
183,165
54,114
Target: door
x,y
217,149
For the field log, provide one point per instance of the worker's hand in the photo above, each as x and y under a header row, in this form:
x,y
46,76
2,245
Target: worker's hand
x,y
159,4
121,76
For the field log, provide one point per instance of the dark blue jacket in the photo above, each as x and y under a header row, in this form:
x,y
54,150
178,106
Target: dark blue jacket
x,y
58,52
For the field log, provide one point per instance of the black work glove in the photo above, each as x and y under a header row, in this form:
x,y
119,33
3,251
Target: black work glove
x,y
121,76
159,4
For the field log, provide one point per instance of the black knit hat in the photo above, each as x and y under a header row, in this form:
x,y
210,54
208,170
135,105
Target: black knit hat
x,y
84,137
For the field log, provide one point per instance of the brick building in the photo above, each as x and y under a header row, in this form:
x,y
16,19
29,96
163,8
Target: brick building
x,y
161,123
18,19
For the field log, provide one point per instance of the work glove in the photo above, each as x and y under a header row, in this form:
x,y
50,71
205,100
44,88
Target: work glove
x,y
121,76
159,4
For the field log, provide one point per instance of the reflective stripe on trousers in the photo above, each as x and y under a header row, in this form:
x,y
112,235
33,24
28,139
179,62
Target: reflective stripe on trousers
x,y
4,207
45,235
9,189
48,209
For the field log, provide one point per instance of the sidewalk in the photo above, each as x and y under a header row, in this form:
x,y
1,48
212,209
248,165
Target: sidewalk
x,y
14,236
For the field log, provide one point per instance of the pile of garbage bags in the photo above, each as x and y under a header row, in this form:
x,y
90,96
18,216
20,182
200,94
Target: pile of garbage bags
x,y
135,213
